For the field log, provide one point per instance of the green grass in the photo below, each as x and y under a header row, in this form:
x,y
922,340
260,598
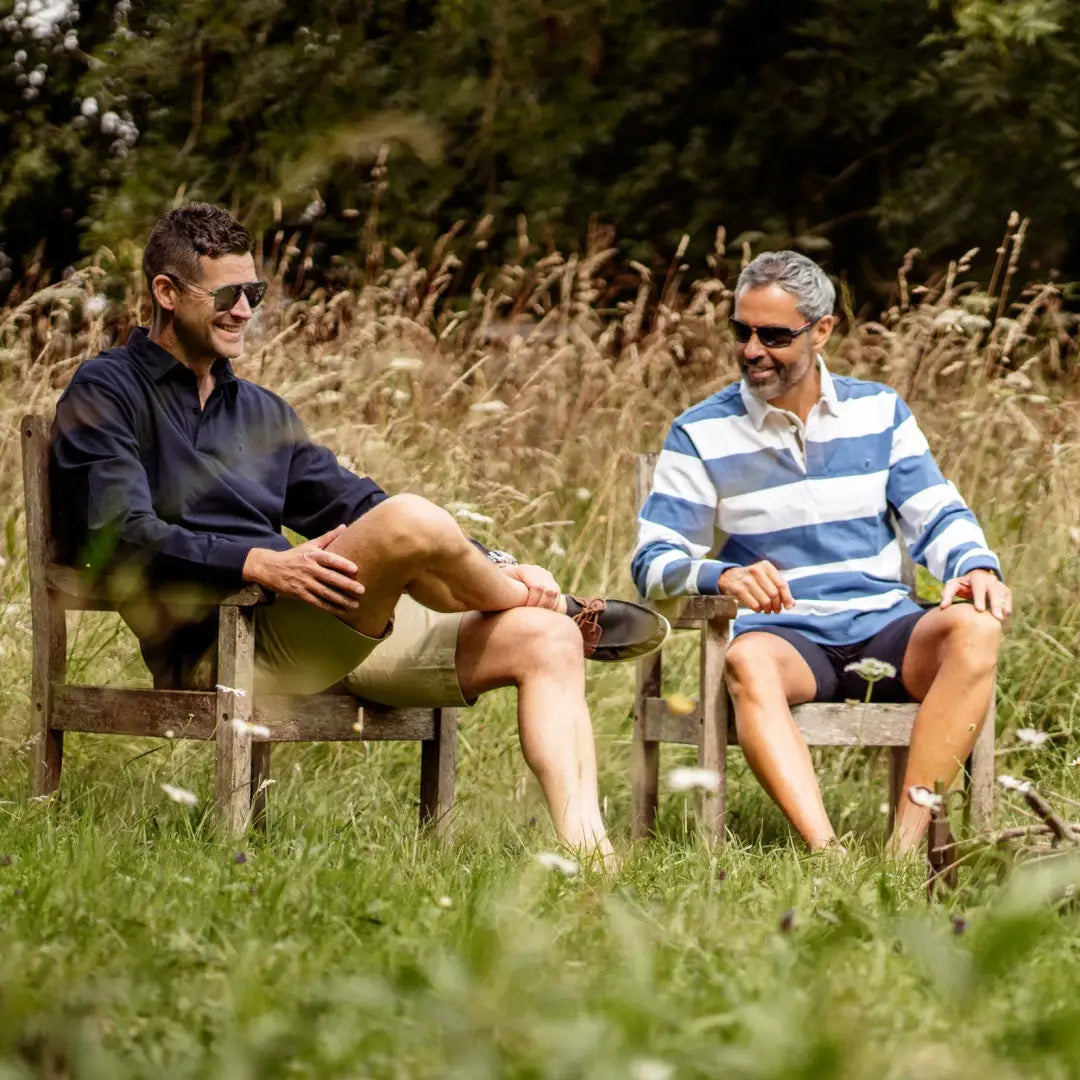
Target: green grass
x,y
134,942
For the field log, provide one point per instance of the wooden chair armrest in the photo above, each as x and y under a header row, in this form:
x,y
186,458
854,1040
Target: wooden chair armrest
x,y
689,612
84,593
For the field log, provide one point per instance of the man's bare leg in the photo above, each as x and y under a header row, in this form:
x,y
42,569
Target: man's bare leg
x,y
407,544
766,676
949,666
540,653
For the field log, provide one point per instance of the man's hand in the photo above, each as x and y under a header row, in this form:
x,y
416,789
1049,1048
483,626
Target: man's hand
x,y
543,589
984,589
759,587
309,572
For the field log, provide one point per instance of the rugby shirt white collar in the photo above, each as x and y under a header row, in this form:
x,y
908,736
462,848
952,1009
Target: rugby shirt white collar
x,y
759,410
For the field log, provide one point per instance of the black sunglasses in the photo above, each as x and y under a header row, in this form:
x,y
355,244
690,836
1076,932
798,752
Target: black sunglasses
x,y
225,298
771,337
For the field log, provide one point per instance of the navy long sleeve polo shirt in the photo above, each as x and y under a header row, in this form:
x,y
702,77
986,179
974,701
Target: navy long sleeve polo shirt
x,y
142,473
144,476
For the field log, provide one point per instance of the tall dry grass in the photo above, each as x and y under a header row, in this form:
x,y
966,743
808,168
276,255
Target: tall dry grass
x,y
519,398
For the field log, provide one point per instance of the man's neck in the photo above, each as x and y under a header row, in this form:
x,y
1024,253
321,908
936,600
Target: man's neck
x,y
165,337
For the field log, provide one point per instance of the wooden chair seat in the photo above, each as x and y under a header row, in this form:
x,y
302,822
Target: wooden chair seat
x,y
711,726
231,715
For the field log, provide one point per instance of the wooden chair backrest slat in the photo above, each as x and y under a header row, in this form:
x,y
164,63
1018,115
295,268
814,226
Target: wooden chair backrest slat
x,y
37,497
646,466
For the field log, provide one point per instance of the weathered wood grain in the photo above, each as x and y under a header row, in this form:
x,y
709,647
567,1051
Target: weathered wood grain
x,y
49,631
438,772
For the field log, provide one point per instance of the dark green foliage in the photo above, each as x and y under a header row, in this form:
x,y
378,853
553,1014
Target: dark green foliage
x,y
852,128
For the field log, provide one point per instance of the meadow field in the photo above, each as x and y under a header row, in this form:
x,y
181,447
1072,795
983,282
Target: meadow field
x,y
134,942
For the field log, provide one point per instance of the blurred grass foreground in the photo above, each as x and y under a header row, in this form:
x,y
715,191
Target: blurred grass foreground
x,y
344,944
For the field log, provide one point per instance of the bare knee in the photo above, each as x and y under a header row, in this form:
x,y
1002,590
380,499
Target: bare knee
x,y
749,673
971,637
411,527
544,642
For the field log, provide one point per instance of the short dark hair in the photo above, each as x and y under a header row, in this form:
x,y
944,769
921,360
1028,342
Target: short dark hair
x,y
181,237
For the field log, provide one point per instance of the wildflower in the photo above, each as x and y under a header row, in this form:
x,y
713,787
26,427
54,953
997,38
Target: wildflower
x,y
488,408
401,397
180,795
445,902
406,363
89,107
872,670
358,726
240,857
245,727
1075,763
1010,783
651,1069
1031,736
550,861
787,920
96,304
583,494
959,924
221,688
169,733
680,704
924,797
556,550
694,780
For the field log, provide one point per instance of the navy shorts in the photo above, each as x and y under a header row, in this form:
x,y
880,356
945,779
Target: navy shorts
x,y
827,662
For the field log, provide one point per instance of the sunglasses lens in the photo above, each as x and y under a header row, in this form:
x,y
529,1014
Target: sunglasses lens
x,y
775,337
255,293
742,331
225,298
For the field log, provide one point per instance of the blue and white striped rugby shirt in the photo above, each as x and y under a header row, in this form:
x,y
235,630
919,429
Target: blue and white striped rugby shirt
x,y
745,481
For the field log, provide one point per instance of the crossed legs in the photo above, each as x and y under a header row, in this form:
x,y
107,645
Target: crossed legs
x,y
948,667
407,544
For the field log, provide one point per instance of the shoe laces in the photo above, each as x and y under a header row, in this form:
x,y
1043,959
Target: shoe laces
x,y
588,618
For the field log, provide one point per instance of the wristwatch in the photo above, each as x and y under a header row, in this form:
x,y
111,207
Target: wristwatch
x,y
501,558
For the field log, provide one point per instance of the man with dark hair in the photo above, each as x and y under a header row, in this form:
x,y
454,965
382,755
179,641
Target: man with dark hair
x,y
778,491
166,461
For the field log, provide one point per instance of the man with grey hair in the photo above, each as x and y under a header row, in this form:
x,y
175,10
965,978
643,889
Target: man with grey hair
x,y
779,491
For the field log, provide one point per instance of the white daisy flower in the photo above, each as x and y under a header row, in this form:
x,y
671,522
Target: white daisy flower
x,y
924,797
549,860
694,780
1010,783
180,795
1031,736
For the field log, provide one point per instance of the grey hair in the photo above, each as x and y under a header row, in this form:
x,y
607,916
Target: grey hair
x,y
815,295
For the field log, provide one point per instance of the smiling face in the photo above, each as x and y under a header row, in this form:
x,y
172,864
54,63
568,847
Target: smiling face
x,y
201,332
779,375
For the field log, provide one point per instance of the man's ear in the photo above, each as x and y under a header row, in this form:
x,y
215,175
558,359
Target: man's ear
x,y
165,292
822,330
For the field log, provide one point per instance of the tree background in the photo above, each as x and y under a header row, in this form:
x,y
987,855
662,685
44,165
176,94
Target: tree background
x,y
853,129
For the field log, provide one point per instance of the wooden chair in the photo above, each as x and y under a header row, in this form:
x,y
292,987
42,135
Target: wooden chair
x,y
242,757
711,727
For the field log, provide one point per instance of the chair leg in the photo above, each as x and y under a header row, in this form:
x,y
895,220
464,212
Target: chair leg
x,y
715,706
438,774
233,764
260,773
49,667
645,753
898,759
980,769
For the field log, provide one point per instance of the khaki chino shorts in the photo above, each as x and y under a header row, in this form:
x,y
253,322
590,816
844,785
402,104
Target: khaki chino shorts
x,y
300,649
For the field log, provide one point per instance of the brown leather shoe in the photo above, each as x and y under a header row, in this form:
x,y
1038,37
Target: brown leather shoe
x,y
617,630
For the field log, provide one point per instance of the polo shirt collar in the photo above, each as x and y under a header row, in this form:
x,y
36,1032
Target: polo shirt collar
x,y
759,410
159,362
